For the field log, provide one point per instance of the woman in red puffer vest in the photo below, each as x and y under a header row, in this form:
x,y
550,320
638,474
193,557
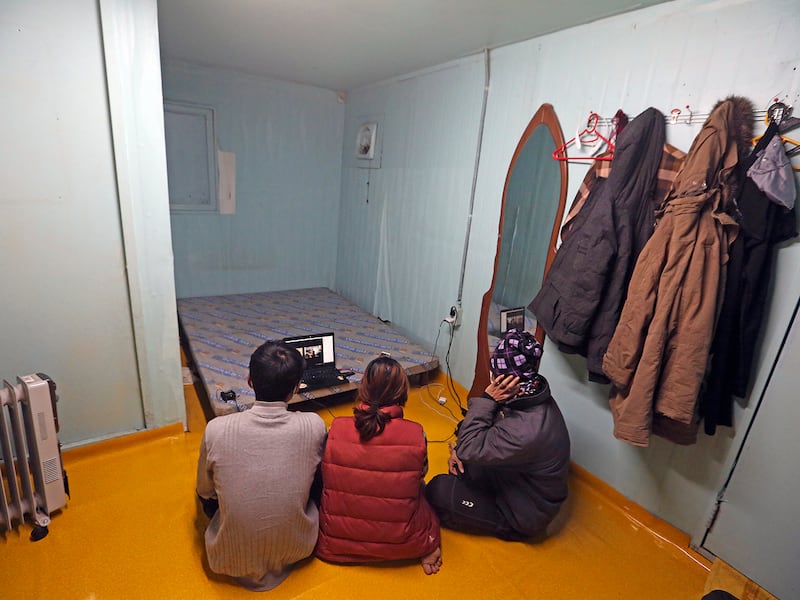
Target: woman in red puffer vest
x,y
373,504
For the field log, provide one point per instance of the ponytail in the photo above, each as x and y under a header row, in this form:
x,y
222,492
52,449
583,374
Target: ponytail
x,y
385,383
370,421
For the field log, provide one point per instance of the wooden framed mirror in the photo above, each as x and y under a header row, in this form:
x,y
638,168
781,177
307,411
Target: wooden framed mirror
x,y
534,196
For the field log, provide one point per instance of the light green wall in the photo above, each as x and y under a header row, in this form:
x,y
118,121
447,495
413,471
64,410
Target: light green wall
x,y
67,256
402,226
133,73
684,52
287,139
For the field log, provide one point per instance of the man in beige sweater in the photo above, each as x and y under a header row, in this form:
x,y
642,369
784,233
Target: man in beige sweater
x,y
258,467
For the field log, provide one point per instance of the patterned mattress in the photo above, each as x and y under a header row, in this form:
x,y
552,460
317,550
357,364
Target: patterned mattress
x,y
221,333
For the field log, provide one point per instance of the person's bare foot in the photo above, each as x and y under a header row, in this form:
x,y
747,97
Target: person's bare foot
x,y
433,562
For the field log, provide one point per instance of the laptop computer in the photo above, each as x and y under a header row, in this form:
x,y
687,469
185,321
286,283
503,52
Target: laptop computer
x,y
319,351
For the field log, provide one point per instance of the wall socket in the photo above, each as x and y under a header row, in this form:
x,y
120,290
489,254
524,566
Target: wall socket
x,y
454,315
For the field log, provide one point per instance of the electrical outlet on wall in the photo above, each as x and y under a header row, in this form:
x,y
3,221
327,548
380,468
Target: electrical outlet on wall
x,y
454,315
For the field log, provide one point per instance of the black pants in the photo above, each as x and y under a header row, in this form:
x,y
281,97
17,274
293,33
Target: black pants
x,y
465,505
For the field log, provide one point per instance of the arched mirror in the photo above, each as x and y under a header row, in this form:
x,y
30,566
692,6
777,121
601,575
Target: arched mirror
x,y
530,218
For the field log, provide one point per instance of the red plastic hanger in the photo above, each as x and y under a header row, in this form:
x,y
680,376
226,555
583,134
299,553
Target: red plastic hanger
x,y
589,135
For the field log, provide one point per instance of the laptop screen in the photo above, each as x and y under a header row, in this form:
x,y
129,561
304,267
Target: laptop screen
x,y
317,349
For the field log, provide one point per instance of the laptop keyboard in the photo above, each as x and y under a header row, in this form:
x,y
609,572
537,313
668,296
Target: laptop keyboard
x,y
320,378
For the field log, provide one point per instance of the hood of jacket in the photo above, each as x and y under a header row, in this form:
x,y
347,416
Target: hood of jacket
x,y
710,164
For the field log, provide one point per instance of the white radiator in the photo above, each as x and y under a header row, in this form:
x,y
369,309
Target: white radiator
x,y
34,483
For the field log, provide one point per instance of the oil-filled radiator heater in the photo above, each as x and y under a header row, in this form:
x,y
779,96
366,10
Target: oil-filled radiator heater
x,y
34,483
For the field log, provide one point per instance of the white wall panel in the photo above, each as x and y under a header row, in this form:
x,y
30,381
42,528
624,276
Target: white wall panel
x,y
401,237
130,39
753,530
691,52
287,139
65,308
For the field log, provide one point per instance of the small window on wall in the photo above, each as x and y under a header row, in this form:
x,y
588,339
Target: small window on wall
x,y
191,157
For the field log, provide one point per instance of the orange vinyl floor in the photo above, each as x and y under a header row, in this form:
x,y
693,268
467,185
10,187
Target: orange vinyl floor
x,y
132,529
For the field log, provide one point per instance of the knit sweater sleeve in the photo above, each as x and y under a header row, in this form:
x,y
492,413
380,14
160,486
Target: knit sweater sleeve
x,y
205,480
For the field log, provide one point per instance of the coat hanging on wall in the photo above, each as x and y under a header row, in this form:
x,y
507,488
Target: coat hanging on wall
x,y
658,355
763,222
581,297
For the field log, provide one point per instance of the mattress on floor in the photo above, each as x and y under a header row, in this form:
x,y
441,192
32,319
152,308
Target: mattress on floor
x,y
222,331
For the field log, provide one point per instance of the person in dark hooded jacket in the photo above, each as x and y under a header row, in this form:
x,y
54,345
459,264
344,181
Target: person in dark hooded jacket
x,y
508,472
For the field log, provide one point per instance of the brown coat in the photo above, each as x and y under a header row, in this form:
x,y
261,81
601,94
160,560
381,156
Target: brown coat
x,y
658,356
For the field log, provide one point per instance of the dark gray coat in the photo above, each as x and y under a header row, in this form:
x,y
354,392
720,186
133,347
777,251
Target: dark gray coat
x,y
519,448
582,296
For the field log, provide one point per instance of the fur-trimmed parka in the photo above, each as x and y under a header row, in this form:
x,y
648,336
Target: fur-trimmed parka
x,y
658,356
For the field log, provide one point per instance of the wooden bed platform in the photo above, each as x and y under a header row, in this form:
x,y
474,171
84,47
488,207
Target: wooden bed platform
x,y
219,333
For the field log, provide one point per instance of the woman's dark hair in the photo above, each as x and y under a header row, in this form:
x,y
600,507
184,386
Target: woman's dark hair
x,y
275,370
385,383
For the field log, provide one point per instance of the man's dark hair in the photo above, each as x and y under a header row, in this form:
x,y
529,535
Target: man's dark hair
x,y
275,370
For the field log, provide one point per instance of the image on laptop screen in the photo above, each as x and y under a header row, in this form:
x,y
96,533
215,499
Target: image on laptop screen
x,y
317,349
